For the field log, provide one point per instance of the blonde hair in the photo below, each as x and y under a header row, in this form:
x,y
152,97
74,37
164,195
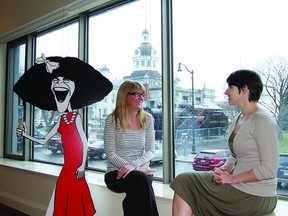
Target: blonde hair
x,y
120,112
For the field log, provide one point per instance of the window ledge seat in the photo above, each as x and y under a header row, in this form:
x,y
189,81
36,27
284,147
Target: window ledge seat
x,y
41,179
39,173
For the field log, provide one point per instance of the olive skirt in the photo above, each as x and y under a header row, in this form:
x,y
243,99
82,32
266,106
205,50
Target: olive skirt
x,y
207,198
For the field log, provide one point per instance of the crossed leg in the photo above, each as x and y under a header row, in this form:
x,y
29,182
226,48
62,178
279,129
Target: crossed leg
x,y
180,207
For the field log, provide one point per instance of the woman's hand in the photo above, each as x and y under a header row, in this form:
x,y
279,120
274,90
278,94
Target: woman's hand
x,y
22,131
80,172
125,170
221,176
147,170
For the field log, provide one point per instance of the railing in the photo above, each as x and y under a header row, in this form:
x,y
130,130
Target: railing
x,y
200,133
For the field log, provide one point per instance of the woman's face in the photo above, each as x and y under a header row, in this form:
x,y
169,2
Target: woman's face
x,y
233,94
135,99
63,90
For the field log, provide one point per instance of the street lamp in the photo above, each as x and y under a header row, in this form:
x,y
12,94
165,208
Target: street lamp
x,y
193,106
100,122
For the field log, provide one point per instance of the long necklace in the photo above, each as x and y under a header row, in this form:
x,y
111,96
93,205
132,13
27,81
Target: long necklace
x,y
72,117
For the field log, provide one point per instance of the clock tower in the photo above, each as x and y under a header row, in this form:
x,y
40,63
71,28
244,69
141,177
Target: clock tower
x,y
145,61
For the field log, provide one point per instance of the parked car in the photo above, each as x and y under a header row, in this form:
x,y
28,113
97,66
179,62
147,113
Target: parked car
x,y
158,155
209,159
96,149
55,145
282,172
37,134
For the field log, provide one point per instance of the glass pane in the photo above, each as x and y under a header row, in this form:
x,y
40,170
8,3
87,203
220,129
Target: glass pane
x,y
60,42
122,48
16,66
211,40
51,151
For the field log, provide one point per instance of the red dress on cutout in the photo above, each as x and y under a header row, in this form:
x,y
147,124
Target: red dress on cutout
x,y
72,195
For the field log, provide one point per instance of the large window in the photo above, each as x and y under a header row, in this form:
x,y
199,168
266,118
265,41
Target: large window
x,y
122,48
61,42
14,105
209,41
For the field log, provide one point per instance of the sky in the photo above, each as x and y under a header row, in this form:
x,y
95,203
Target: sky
x,y
212,38
219,37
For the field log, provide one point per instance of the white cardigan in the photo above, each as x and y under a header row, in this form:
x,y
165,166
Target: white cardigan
x,y
256,147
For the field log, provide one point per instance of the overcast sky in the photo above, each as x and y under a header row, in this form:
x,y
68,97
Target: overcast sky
x,y
213,38
218,37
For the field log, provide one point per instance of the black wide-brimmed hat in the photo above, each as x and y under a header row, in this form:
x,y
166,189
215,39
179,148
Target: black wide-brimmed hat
x,y
35,84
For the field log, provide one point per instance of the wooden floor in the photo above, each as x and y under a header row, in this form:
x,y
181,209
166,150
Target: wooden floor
x,y
7,211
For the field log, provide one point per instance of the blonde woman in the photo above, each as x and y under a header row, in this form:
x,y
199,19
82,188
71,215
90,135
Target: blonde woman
x,y
129,141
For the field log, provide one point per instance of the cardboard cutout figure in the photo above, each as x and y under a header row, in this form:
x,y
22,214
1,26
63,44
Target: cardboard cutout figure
x,y
64,85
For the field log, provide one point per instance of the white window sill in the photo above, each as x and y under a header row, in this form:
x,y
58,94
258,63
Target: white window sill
x,y
162,191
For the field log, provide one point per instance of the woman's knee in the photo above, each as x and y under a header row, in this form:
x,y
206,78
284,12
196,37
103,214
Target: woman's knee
x,y
180,206
137,181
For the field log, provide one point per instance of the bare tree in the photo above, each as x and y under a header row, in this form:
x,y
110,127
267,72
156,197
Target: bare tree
x,y
49,117
275,94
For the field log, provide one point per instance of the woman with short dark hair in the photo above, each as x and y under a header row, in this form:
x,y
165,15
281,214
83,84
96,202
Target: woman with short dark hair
x,y
246,184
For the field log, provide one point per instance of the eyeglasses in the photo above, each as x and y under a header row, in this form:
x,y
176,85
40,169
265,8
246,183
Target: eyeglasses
x,y
137,94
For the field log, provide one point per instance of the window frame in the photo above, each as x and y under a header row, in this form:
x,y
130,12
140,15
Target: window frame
x,y
167,78
10,104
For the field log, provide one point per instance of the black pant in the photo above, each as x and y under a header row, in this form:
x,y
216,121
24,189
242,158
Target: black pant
x,y
140,198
